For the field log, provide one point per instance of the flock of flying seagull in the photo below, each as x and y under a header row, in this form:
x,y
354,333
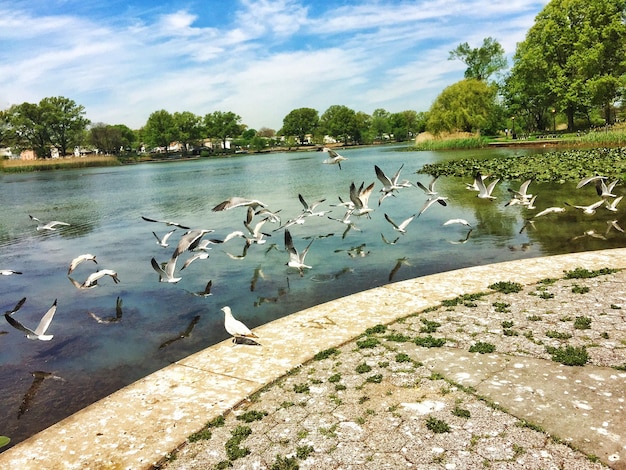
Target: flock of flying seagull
x,y
197,243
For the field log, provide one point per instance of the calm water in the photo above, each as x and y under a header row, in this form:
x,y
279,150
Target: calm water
x,y
104,207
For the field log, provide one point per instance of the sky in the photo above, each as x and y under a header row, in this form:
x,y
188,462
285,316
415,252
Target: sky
x,y
123,60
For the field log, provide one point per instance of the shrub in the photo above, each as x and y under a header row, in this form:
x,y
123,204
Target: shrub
x,y
482,348
429,342
437,425
569,355
506,287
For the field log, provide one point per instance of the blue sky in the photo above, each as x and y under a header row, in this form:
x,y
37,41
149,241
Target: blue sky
x,y
122,60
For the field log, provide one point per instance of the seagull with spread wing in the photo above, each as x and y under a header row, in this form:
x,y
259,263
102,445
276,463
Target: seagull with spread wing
x,y
39,332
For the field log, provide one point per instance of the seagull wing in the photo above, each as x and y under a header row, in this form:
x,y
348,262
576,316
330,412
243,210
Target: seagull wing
x,y
45,321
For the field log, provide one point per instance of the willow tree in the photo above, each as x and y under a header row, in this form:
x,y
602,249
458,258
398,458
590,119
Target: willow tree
x,y
574,55
464,106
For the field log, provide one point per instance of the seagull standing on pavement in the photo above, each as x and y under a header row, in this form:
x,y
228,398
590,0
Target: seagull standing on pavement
x,y
234,327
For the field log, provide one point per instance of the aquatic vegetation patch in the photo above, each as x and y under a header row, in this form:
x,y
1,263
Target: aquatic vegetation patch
x,y
582,323
429,326
566,165
378,329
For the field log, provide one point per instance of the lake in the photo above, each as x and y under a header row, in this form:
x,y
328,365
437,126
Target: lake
x,y
161,322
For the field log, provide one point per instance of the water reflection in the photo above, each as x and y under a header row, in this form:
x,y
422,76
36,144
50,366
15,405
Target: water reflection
x,y
97,349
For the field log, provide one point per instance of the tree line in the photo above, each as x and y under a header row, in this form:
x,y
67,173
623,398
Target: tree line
x,y
570,65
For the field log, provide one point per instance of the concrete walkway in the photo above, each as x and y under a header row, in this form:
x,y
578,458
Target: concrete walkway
x,y
584,407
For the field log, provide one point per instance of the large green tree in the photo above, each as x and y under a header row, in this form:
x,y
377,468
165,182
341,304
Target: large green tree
x,y
381,125
576,49
53,122
483,61
223,125
300,122
110,139
189,127
160,129
463,106
340,122
65,121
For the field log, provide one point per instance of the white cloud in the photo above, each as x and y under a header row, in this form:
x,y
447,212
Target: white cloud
x,y
272,56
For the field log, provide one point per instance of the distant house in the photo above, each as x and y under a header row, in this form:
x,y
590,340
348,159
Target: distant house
x,y
29,154
209,143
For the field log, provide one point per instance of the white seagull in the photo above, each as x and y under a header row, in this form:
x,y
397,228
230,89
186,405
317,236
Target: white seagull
x,y
166,222
309,208
93,278
549,210
588,210
333,157
79,259
166,273
430,190
234,327
360,198
484,192
47,226
402,226
189,241
9,272
612,206
163,241
234,201
296,260
429,202
201,255
389,184
42,327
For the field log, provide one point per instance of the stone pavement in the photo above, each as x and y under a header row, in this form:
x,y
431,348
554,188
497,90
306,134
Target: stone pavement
x,y
383,401
364,382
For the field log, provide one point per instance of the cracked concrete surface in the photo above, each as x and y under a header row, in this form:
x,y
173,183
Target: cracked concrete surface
x,y
394,404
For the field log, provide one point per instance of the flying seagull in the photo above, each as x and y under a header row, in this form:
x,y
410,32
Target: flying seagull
x,y
189,241
44,323
484,192
296,260
9,272
234,201
588,210
333,157
360,198
163,241
389,184
402,226
166,273
201,255
79,259
234,327
429,202
166,222
93,278
430,189
52,225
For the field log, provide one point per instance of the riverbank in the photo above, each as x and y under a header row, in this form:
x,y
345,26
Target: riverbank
x,y
370,398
